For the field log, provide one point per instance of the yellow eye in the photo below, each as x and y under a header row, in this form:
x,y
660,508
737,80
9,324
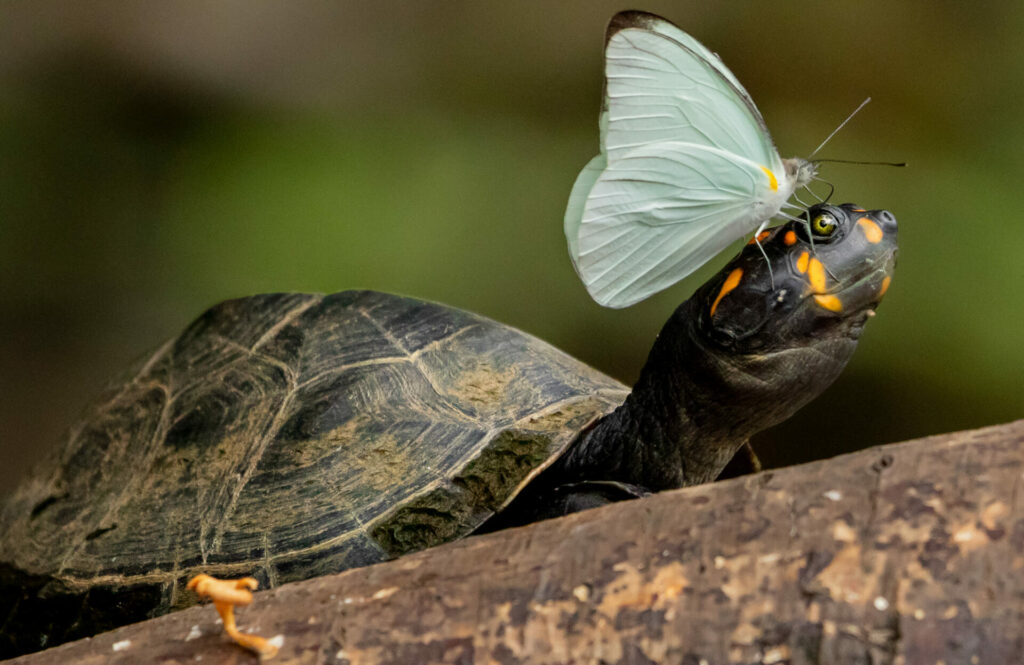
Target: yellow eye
x,y
824,224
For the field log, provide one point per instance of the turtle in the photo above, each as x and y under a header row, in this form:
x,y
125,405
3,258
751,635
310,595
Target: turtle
x,y
287,436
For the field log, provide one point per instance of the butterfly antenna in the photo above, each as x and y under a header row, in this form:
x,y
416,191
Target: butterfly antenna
x,y
831,190
841,125
813,193
857,161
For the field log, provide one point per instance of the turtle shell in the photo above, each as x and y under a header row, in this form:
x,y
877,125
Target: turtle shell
x,y
286,436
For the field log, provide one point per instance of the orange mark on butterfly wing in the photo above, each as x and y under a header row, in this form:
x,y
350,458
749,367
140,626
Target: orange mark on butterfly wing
x,y
789,238
772,180
872,231
731,282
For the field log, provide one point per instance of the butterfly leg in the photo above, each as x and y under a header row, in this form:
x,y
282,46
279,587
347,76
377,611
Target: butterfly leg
x,y
810,237
798,200
831,190
757,241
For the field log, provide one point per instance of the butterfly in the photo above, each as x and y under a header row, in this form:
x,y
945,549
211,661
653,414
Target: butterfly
x,y
687,165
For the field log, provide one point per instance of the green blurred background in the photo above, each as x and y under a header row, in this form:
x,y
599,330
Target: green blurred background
x,y
156,158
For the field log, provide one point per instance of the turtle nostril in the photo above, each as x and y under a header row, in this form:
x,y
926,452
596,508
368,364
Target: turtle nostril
x,y
886,218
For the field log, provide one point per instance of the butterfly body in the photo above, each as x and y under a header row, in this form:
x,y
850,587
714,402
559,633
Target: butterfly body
x,y
687,165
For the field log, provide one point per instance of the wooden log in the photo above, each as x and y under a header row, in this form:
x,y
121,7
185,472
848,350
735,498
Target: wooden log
x,y
906,553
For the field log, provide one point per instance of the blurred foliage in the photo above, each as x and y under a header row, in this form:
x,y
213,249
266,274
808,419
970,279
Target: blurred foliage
x,y
154,163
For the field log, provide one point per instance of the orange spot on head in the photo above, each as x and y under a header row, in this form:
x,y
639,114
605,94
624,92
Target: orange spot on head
x,y
885,286
831,303
789,238
816,275
731,282
759,237
859,210
872,231
801,261
772,180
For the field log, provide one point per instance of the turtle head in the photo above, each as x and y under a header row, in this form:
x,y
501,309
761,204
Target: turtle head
x,y
753,345
823,278
765,337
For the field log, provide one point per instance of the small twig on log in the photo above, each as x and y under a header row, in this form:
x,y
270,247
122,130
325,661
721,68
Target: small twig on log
x,y
225,594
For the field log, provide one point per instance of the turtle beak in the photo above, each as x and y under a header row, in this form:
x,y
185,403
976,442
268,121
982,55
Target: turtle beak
x,y
879,232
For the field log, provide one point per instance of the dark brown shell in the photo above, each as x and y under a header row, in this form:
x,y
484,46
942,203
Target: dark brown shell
x,y
289,435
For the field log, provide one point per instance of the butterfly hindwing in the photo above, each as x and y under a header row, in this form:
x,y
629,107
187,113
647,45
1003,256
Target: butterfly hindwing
x,y
658,212
578,199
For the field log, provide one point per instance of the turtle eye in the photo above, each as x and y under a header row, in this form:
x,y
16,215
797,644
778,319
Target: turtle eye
x,y
824,224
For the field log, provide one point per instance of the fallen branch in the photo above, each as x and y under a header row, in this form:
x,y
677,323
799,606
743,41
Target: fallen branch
x,y
907,553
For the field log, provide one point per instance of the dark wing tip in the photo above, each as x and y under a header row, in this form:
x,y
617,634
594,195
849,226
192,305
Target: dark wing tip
x,y
631,18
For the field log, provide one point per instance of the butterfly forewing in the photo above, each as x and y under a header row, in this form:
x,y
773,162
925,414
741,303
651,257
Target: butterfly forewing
x,y
658,90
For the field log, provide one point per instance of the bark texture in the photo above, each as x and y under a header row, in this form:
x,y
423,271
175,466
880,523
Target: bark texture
x,y
907,553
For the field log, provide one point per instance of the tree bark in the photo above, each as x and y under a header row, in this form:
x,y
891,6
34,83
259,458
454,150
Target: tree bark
x,y
906,553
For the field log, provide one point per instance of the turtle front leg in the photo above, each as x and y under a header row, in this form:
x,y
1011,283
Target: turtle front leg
x,y
744,462
537,502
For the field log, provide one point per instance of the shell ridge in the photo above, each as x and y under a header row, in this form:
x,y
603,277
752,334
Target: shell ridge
x,y
288,317
128,490
390,360
453,408
442,340
279,419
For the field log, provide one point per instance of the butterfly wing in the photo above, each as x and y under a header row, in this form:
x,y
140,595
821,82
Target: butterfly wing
x,y
664,85
578,199
659,212
687,165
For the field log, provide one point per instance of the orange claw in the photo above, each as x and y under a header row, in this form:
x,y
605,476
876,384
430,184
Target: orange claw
x,y
225,594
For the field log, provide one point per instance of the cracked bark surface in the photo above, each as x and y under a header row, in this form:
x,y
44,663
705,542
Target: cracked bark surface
x,y
906,553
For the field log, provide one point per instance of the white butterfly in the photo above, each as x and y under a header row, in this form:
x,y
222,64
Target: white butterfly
x,y
686,166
